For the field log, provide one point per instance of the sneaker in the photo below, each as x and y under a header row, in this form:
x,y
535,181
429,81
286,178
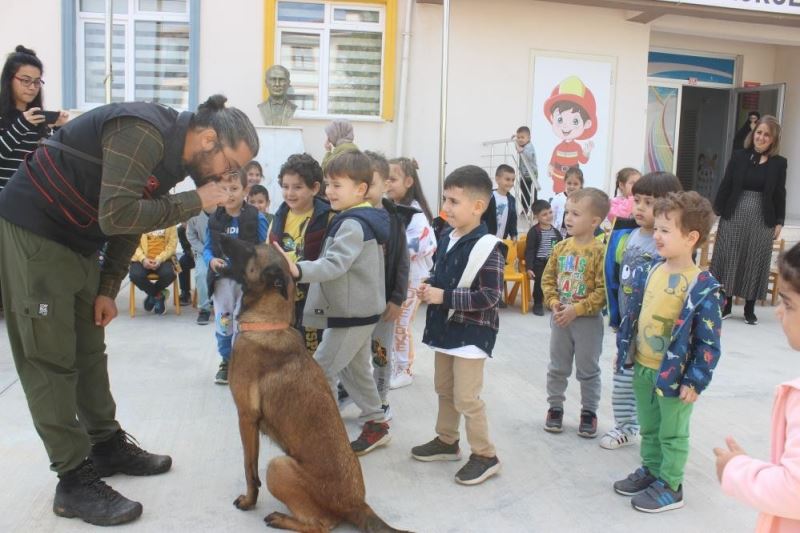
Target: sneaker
x,y
149,303
203,317
401,379
222,374
81,493
387,412
617,438
658,498
344,398
555,420
185,299
373,434
477,470
436,450
750,318
727,308
160,306
122,454
635,483
538,310
588,426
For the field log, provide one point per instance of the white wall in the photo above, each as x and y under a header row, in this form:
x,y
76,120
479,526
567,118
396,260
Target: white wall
x,y
787,69
40,30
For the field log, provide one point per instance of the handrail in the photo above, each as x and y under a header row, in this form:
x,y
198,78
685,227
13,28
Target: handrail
x,y
510,156
499,141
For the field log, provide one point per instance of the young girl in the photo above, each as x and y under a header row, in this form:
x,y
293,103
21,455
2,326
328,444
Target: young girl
x,y
773,487
254,173
573,180
622,203
403,187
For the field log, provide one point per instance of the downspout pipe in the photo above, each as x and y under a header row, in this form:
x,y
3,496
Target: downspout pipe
x,y
443,98
401,110
109,32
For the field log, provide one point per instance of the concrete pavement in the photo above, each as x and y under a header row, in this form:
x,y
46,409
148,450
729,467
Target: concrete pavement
x,y
162,369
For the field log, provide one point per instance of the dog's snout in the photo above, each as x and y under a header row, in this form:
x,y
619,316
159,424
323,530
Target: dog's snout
x,y
274,276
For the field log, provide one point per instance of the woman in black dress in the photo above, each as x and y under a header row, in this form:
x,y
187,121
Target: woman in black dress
x,y
748,126
752,203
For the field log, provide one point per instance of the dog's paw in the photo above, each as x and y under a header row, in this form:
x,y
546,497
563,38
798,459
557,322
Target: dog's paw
x,y
243,503
273,518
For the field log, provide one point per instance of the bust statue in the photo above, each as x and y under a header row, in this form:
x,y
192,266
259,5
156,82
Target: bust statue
x,y
277,110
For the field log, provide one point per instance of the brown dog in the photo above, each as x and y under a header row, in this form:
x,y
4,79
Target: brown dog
x,y
280,390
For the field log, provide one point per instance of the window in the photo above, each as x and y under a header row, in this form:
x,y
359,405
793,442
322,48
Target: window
x,y
336,56
150,52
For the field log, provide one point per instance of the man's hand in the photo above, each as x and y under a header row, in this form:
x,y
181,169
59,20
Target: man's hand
x,y
430,295
688,394
216,263
391,313
564,316
212,194
105,310
724,456
293,270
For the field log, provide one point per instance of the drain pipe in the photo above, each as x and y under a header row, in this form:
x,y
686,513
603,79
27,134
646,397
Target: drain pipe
x,y
443,97
401,110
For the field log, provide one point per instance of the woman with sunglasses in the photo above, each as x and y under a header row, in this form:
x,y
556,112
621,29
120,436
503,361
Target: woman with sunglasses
x,y
21,123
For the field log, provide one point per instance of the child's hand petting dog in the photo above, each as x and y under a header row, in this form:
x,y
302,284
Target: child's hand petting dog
x,y
293,270
430,295
216,264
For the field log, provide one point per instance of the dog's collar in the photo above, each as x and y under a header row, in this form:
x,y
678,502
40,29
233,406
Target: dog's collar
x,y
262,326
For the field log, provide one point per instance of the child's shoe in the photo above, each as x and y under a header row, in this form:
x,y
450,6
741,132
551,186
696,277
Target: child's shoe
x,y
635,483
658,498
203,317
185,299
387,412
222,374
477,470
402,378
617,438
373,434
149,303
160,306
555,420
588,426
436,450
538,309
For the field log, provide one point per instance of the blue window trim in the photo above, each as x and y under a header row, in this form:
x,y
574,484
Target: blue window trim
x,y
69,62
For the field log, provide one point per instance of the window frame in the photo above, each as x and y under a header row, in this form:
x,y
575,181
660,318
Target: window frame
x,y
386,25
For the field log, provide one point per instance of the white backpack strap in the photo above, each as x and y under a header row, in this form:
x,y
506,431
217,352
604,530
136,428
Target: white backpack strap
x,y
477,258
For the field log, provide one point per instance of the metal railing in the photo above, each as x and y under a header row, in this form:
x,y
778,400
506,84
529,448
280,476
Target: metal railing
x,y
504,151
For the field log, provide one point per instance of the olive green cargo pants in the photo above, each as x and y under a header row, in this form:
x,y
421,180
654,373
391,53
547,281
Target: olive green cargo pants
x,y
48,296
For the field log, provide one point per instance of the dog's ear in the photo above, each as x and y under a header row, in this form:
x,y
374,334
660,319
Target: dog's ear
x,y
237,251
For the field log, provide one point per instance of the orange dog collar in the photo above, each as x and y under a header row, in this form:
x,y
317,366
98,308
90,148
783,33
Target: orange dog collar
x,y
262,326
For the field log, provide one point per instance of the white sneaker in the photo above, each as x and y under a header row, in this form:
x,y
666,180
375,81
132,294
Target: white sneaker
x,y
401,379
617,438
387,412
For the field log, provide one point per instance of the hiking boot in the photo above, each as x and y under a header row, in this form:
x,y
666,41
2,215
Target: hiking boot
x,y
658,498
149,303
588,426
373,434
617,438
222,374
477,470
436,450
81,493
203,317
538,309
185,299
121,453
635,483
555,420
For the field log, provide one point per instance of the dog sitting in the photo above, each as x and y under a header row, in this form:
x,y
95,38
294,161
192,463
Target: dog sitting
x,y
280,390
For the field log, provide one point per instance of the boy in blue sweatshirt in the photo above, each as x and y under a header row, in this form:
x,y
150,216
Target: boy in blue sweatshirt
x,y
347,291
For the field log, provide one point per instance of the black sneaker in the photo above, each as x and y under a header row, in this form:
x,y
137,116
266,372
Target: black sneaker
x,y
203,316
185,299
121,453
222,374
538,310
658,498
588,426
555,420
477,470
373,434
750,318
635,482
436,450
727,308
149,303
81,493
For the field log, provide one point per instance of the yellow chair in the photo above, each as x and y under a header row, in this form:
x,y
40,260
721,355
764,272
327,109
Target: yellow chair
x,y
516,273
153,277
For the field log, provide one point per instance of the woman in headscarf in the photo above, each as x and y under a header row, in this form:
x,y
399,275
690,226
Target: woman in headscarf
x,y
339,139
748,126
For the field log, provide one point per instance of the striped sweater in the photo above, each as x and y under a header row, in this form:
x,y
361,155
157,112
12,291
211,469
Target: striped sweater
x,y
18,138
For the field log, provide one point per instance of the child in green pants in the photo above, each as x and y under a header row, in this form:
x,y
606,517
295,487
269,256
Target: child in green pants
x,y
671,332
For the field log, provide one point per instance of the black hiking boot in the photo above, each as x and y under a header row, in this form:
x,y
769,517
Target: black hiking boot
x,y
121,453
81,493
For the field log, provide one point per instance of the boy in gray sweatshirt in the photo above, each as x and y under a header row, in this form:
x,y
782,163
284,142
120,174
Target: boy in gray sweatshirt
x,y
347,292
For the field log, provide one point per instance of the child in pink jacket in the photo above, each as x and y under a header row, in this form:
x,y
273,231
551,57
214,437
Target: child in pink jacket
x,y
773,487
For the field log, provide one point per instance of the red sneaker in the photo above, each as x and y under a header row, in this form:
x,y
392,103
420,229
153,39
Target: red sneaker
x,y
373,434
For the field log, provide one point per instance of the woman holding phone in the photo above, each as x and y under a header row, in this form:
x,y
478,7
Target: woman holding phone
x,y
22,119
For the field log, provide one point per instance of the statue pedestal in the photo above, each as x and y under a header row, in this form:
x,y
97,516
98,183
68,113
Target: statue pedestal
x,y
277,144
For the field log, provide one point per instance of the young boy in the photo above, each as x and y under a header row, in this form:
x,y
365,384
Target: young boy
x,y
396,260
539,245
155,255
631,249
347,294
196,229
299,225
243,221
574,290
259,198
527,166
461,324
501,215
671,330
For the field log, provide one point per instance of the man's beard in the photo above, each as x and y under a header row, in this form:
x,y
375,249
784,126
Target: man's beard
x,y
198,166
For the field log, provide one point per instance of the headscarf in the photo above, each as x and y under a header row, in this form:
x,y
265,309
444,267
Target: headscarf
x,y
339,132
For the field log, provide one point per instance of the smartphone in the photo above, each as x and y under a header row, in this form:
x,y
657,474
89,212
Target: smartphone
x,y
50,117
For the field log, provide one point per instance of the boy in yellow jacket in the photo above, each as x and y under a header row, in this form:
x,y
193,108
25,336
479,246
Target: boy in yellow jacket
x,y
155,255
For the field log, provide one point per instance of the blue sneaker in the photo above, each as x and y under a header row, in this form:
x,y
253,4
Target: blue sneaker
x,y
658,498
149,303
161,303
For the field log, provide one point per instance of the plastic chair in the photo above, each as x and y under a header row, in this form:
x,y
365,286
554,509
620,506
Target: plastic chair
x,y
153,277
516,274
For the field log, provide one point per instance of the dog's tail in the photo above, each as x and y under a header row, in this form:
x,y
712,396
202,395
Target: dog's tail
x,y
366,520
